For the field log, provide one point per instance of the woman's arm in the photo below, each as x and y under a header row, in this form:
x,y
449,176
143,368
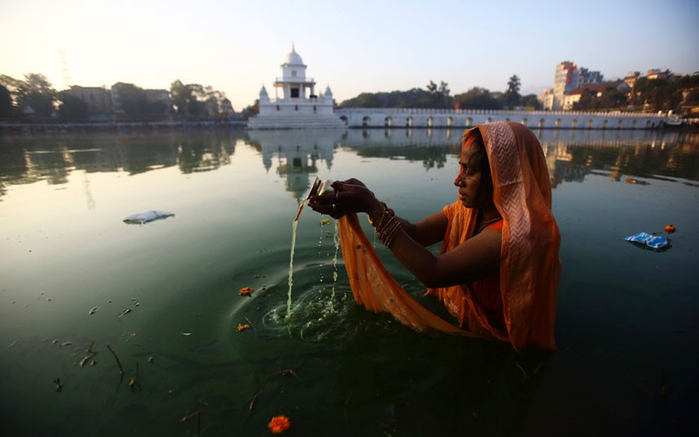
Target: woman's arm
x,y
427,231
476,258
353,196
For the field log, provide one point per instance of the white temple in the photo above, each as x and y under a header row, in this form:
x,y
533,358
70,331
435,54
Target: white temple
x,y
299,107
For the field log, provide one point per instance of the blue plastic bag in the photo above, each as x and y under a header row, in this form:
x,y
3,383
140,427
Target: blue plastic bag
x,y
653,241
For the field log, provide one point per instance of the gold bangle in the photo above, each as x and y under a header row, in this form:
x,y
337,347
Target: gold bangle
x,y
386,211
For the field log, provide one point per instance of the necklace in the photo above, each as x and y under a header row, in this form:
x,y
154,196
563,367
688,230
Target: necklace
x,y
485,223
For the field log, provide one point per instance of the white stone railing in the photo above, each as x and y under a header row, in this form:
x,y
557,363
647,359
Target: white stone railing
x,y
497,112
444,118
295,79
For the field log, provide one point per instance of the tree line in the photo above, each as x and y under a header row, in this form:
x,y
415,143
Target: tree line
x,y
439,97
37,93
650,95
679,95
195,100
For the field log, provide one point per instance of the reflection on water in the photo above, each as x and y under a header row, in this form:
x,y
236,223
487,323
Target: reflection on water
x,y
297,154
71,268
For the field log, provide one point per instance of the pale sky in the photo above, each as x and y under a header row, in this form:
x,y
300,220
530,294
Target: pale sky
x,y
354,46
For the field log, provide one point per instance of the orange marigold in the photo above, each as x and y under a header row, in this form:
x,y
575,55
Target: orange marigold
x,y
245,291
279,424
242,327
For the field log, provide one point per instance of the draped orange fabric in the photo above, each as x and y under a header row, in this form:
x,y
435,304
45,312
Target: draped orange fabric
x,y
529,265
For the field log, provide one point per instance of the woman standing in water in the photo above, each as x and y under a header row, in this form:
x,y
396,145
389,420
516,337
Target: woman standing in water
x,y
498,269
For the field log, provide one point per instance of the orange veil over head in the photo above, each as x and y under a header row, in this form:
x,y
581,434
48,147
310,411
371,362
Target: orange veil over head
x,y
529,265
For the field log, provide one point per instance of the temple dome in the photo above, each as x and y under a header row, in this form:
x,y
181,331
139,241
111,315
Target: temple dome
x,y
293,58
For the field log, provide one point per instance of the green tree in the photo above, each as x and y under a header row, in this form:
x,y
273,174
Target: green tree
x,y
610,98
196,100
476,98
34,91
436,96
512,97
444,92
5,102
71,107
658,94
588,101
133,99
531,101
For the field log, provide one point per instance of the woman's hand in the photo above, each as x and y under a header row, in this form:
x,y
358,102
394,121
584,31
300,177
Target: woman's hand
x,y
349,196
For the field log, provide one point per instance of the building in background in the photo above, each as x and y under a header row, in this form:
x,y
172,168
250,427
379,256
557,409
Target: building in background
x,y
631,78
298,106
160,96
98,99
656,73
573,97
569,77
546,99
127,97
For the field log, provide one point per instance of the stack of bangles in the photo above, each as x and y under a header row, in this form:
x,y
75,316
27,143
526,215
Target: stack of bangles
x,y
387,226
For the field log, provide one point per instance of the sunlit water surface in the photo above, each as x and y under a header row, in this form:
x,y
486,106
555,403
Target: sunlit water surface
x,y
164,296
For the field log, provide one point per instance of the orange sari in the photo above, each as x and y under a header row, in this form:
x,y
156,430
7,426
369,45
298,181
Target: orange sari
x,y
529,265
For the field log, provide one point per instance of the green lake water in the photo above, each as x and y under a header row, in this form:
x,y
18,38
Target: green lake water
x,y
627,333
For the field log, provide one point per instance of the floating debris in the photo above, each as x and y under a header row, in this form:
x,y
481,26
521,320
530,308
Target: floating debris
x,y
670,229
242,328
147,216
89,354
289,372
636,181
246,291
93,310
125,312
196,414
150,359
186,334
121,369
252,402
655,242
59,386
134,385
279,424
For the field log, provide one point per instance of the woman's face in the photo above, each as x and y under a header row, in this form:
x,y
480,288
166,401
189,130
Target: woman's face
x,y
469,178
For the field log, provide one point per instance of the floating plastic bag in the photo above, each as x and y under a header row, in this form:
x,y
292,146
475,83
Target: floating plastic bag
x,y
147,216
653,241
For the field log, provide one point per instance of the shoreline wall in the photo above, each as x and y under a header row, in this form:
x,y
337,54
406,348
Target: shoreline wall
x,y
444,118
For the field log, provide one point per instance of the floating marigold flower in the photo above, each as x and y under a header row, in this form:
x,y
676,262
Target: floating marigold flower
x,y
241,327
245,291
670,229
279,424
